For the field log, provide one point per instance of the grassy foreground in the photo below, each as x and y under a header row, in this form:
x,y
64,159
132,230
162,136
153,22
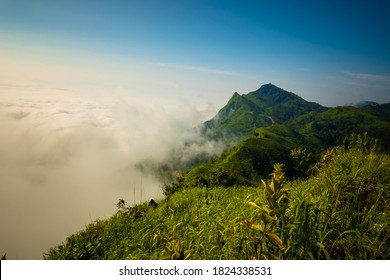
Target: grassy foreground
x,y
341,211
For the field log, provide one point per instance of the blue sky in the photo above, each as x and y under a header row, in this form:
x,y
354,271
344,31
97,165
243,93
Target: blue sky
x,y
331,52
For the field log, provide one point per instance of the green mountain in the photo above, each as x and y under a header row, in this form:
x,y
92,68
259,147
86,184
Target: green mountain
x,y
264,107
273,123
329,128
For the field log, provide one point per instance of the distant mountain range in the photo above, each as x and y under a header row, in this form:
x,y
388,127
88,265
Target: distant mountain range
x,y
363,104
268,123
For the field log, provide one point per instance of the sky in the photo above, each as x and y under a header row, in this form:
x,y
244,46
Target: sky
x,y
89,90
330,52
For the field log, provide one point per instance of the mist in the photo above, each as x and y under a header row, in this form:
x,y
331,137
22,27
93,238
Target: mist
x,y
66,158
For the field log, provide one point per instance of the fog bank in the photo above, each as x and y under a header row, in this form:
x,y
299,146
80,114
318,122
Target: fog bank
x,y
66,158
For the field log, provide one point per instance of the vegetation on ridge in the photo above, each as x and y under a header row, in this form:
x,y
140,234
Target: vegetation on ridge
x,y
341,211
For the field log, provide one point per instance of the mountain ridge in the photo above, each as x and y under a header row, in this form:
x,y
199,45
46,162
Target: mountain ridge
x,y
264,107
268,123
363,104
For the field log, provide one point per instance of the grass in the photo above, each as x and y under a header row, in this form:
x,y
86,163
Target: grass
x,y
195,223
341,211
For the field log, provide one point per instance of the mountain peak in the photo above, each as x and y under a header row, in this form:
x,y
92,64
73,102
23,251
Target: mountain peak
x,y
244,113
235,96
271,95
268,87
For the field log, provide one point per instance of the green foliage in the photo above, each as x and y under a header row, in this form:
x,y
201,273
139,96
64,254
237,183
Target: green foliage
x,y
170,189
247,163
268,244
121,205
341,211
195,223
301,154
355,180
304,157
221,177
213,175
328,129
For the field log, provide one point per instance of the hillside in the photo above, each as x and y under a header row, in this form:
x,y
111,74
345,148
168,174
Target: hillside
x,y
330,127
340,212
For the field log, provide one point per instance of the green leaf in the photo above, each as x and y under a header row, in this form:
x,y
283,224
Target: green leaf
x,y
276,239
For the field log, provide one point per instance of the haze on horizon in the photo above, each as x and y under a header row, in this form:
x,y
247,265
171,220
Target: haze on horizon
x,y
88,89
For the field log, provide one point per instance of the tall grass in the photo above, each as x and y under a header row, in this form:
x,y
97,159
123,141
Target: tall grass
x,y
342,211
196,223
351,191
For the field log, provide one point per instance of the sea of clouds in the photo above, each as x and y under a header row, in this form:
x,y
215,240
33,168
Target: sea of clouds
x,y
66,158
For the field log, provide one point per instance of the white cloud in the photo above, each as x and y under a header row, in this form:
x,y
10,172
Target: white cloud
x,y
203,69
369,77
67,157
